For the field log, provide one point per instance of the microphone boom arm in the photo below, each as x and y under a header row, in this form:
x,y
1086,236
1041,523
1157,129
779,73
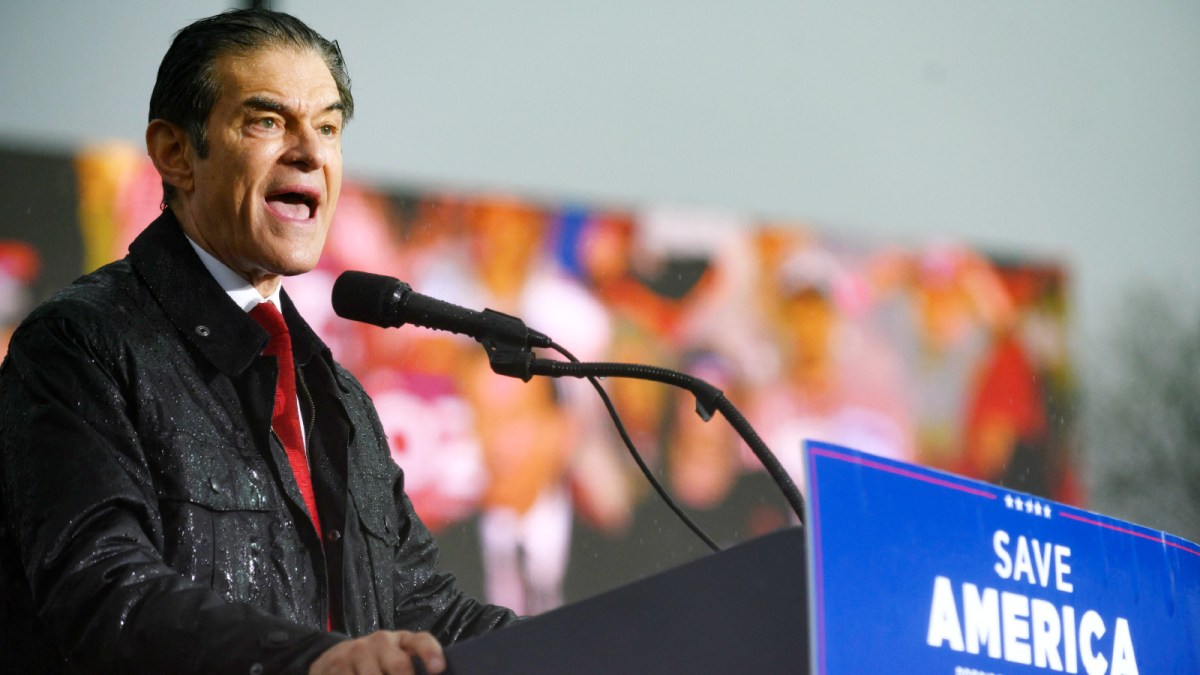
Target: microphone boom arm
x,y
708,400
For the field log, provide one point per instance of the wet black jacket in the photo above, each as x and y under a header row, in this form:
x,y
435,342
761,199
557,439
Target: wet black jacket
x,y
150,522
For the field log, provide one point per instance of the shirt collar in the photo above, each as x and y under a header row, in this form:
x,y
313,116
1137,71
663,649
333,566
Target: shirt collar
x,y
242,293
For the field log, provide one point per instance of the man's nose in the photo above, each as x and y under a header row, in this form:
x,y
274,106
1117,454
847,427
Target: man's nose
x,y
306,150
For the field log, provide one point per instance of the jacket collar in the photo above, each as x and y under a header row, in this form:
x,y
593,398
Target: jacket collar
x,y
200,309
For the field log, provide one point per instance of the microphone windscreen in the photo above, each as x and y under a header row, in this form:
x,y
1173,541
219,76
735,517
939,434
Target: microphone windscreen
x,y
366,297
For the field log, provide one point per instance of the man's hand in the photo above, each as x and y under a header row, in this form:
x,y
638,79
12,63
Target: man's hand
x,y
383,652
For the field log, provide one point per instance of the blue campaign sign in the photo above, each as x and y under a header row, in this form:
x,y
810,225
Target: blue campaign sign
x,y
917,571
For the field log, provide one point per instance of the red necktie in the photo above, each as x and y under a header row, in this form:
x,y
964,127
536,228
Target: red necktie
x,y
286,419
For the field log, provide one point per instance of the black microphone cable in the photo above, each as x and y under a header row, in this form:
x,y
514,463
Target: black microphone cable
x,y
637,456
389,302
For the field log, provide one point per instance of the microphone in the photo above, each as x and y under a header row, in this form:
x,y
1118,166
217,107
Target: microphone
x,y
391,303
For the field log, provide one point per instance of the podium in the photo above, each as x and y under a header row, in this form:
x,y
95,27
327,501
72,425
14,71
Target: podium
x,y
743,610
912,570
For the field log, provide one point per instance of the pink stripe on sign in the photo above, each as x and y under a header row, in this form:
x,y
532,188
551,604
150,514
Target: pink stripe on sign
x,y
1122,530
902,472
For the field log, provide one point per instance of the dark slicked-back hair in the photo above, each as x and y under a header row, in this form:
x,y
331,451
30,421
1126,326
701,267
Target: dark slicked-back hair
x,y
187,87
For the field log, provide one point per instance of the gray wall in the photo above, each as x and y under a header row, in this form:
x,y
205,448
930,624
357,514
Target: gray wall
x,y
1067,128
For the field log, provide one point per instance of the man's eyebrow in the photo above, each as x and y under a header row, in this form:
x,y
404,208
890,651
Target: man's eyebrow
x,y
263,103
270,105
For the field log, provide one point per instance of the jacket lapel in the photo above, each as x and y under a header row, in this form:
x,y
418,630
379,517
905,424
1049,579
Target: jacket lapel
x,y
192,300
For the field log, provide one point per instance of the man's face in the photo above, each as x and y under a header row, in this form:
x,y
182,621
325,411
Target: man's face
x,y
263,198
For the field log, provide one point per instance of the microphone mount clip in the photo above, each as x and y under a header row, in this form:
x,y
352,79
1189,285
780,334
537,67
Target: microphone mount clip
x,y
507,343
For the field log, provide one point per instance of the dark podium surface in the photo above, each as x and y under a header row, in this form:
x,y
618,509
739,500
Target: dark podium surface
x,y
743,610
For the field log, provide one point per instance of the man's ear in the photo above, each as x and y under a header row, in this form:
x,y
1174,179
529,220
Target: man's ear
x,y
169,148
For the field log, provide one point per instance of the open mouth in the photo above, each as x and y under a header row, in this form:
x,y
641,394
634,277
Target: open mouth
x,y
293,205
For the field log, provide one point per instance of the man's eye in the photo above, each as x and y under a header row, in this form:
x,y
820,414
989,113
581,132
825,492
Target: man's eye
x,y
267,123
328,130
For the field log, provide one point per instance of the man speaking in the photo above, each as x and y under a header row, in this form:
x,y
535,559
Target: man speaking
x,y
189,483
